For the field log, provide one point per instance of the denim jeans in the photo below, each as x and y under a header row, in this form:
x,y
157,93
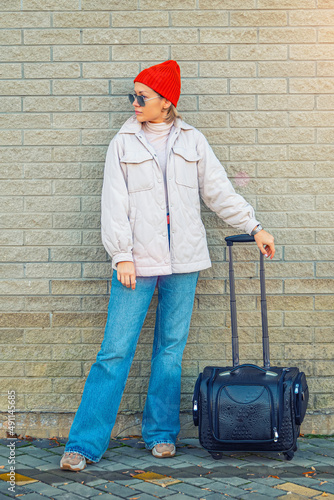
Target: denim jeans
x,y
94,420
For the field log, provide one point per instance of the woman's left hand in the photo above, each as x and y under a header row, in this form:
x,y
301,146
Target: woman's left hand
x,y
265,242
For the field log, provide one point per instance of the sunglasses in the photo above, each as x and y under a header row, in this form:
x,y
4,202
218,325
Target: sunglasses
x,y
140,99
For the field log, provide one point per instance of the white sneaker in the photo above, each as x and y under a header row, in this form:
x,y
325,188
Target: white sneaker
x,y
72,460
163,450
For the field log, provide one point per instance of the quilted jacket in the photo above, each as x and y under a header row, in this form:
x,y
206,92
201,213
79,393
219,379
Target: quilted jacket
x,y
133,206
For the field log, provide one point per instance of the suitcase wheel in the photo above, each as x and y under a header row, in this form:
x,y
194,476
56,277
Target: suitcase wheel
x,y
289,455
217,456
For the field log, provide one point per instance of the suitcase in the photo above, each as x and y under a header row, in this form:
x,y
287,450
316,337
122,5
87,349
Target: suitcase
x,y
246,407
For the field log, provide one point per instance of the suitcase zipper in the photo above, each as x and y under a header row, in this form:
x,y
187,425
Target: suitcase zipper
x,y
275,435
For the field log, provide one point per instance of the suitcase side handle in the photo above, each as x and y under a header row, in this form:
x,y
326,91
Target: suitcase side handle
x,y
246,238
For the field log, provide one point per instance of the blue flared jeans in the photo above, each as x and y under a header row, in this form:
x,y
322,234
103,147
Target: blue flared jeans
x,y
95,418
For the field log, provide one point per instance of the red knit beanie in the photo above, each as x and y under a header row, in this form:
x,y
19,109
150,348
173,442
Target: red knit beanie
x,y
163,78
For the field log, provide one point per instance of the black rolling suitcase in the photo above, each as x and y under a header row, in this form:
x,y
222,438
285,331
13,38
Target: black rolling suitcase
x,y
247,407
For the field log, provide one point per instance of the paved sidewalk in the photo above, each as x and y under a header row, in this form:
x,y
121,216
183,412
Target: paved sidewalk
x,y
129,471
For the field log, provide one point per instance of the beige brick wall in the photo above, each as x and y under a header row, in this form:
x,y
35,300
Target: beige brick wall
x,y
257,79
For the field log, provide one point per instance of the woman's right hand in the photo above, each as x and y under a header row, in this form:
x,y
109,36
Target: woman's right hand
x,y
126,273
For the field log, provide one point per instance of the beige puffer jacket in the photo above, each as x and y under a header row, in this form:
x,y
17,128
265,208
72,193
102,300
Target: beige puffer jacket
x,y
133,205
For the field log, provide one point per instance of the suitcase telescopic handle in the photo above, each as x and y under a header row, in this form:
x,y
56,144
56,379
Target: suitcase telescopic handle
x,y
238,238
246,238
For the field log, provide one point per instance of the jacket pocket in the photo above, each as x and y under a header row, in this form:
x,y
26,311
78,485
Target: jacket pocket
x,y
139,168
186,167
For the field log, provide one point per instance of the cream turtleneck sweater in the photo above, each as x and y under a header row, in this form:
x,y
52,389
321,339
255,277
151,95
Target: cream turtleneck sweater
x,y
157,135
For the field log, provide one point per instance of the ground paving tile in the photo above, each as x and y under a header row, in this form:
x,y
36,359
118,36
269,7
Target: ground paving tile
x,y
154,489
189,489
32,496
45,489
261,489
78,489
201,476
107,496
95,482
327,488
268,481
234,481
180,496
196,481
118,489
62,495
142,496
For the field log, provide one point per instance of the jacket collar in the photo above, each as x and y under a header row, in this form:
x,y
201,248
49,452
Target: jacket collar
x,y
133,126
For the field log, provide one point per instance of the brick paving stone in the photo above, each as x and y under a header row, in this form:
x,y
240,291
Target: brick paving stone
x,y
165,470
218,496
134,453
124,460
115,443
70,496
47,443
130,481
52,459
234,492
47,468
32,496
257,471
219,486
78,489
107,466
234,481
261,489
188,471
258,496
4,488
297,489
106,496
154,489
306,481
95,482
117,489
269,481
108,475
52,479
325,460
59,450
30,461
4,497
45,489
142,496
188,489
39,452
327,488
196,481
180,496
70,476
229,471
292,497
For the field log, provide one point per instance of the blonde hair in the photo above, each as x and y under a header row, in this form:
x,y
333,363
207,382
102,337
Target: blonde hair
x,y
172,112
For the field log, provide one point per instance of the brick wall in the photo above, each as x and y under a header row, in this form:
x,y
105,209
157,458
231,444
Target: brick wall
x,y
258,82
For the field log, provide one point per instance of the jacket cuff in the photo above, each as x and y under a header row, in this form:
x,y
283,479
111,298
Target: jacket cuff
x,y
250,225
120,257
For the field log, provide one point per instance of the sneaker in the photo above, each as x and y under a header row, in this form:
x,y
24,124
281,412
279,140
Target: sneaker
x,y
163,450
72,460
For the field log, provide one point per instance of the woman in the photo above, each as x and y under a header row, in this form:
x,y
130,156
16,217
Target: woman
x,y
157,167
